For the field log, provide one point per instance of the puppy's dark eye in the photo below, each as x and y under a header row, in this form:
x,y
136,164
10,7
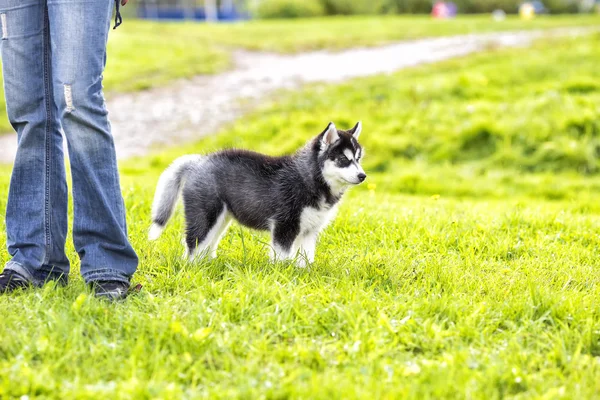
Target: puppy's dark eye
x,y
343,161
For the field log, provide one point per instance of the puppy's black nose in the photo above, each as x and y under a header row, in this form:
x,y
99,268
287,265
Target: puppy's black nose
x,y
361,177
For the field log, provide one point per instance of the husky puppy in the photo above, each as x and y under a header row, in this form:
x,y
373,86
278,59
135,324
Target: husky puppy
x,y
294,196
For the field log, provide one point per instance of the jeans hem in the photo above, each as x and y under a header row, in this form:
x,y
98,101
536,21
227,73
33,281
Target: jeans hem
x,y
106,274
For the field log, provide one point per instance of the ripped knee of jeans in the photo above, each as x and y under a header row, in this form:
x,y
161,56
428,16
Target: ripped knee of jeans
x,y
4,27
69,98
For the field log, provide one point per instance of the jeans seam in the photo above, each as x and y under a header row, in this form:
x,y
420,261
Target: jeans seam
x,y
47,93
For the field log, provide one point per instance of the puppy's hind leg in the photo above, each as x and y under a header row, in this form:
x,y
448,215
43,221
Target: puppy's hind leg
x,y
205,224
219,232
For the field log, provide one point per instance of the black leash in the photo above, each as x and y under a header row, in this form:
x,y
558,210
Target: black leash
x,y
118,18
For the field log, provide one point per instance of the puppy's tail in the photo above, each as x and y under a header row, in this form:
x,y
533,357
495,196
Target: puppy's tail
x,y
167,192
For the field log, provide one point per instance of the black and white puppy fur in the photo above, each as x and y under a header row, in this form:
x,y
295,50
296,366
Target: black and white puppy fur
x,y
294,197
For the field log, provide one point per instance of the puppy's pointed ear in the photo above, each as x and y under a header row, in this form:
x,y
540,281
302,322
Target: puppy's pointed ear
x,y
356,130
330,135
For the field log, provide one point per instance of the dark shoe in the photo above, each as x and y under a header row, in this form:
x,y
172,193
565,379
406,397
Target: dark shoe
x,y
11,281
111,290
48,273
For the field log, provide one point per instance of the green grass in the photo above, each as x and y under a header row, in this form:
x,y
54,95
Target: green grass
x,y
411,297
466,269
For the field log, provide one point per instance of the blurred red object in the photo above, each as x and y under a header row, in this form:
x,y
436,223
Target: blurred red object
x,y
439,10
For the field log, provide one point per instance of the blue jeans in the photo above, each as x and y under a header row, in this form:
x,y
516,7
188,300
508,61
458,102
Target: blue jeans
x,y
53,55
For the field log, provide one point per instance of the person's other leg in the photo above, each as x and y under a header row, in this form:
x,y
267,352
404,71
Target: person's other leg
x,y
36,214
79,31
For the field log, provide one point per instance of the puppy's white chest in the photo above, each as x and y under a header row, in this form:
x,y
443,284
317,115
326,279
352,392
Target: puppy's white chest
x,y
313,220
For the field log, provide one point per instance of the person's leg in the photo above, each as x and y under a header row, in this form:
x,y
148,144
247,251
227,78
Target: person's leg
x,y
36,214
79,31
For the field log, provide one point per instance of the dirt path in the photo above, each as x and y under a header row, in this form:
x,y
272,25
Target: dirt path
x,y
189,109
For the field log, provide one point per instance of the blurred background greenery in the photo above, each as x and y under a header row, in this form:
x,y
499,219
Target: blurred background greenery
x,y
312,8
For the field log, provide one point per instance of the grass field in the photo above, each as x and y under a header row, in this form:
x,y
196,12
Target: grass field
x,y
465,267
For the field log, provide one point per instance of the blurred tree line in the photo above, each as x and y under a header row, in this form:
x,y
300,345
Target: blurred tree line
x,y
311,8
